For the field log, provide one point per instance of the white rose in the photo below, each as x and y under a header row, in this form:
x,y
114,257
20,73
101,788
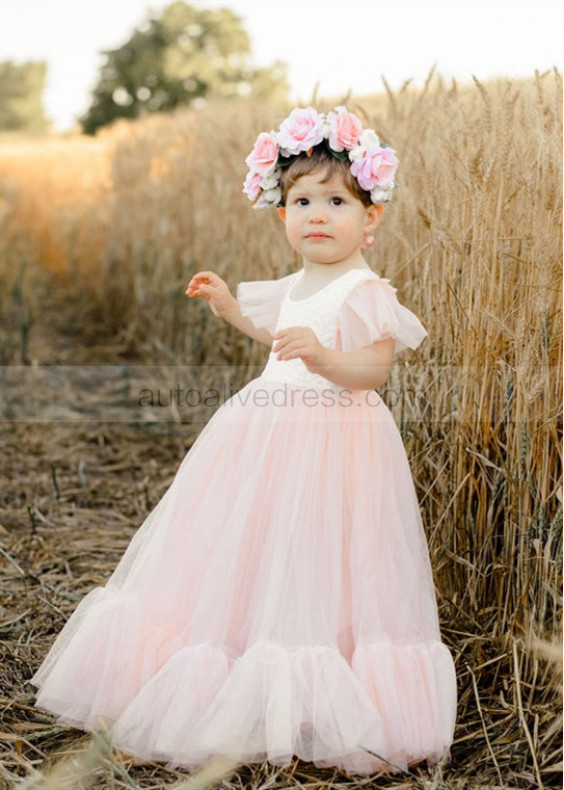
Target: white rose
x,y
357,153
269,182
260,202
369,139
380,195
273,195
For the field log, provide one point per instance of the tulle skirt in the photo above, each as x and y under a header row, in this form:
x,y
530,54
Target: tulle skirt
x,y
277,602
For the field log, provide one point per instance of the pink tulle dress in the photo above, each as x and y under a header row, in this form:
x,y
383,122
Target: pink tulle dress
x,y
279,599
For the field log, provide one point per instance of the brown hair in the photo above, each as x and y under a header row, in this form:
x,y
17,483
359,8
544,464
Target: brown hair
x,y
321,158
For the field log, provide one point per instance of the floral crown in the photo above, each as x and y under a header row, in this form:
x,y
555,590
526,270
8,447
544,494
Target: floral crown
x,y
373,163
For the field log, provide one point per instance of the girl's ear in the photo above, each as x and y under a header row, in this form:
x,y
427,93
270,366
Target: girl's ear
x,y
282,213
373,216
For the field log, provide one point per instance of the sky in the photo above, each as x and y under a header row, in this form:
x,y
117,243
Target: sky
x,y
344,45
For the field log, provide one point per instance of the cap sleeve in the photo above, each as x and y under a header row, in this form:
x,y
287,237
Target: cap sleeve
x,y
260,300
371,312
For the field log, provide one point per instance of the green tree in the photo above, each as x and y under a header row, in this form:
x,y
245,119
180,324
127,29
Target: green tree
x,y
21,96
184,54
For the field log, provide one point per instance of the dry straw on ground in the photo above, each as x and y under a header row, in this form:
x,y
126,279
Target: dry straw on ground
x,y
99,240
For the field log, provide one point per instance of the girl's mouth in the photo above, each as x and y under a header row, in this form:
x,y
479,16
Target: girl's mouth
x,y
318,236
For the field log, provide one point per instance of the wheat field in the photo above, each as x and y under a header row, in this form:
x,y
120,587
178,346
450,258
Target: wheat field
x,y
99,237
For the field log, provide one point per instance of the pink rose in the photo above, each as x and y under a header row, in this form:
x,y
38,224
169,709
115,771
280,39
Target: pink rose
x,y
264,155
251,187
377,168
344,129
300,131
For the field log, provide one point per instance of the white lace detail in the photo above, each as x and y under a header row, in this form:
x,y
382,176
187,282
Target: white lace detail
x,y
319,312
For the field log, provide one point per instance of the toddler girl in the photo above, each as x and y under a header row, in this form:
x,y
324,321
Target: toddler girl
x,y
279,599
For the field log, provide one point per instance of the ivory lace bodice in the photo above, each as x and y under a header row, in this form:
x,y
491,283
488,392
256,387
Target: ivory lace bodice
x,y
319,312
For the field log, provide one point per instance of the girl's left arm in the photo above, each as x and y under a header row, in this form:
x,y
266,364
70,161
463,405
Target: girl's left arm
x,y
362,369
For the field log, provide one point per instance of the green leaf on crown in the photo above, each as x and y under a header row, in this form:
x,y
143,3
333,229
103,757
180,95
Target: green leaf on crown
x,y
342,155
284,161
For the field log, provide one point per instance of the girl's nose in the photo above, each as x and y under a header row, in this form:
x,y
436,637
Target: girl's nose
x,y
317,216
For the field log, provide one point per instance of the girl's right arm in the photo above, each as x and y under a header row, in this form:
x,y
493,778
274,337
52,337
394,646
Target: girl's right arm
x,y
223,305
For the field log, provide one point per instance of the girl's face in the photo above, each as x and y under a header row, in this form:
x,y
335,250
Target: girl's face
x,y
325,222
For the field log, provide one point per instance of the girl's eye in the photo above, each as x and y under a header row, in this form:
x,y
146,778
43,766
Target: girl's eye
x,y
335,200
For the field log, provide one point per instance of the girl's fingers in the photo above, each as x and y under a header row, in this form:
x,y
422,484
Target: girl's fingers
x,y
292,348
209,277
199,290
290,343
202,277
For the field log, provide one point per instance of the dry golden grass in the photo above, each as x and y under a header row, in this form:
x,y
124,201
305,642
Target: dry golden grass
x,y
472,241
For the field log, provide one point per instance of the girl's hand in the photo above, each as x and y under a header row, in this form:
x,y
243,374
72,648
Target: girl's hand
x,y
300,342
214,290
